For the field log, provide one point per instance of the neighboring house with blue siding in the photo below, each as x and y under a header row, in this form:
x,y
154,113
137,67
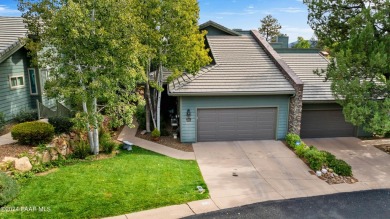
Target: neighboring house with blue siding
x,y
253,91
21,85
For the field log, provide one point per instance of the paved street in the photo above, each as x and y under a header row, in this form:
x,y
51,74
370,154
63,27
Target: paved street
x,y
371,204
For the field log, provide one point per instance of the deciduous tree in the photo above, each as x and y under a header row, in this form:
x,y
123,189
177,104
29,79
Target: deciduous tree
x,y
302,44
92,51
173,41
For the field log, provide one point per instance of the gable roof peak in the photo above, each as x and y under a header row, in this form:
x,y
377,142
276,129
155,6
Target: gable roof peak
x,y
220,27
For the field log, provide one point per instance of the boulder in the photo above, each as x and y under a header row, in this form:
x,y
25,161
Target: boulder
x,y
23,164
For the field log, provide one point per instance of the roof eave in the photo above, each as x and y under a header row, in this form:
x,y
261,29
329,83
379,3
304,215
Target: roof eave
x,y
229,93
9,51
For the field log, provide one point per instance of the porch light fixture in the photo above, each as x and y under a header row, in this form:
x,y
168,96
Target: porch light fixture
x,y
188,115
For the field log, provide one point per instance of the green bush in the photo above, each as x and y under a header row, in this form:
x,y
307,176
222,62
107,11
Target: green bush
x,y
341,167
329,157
33,133
106,143
9,189
315,158
291,139
26,116
81,149
156,133
61,124
2,121
108,147
301,149
140,115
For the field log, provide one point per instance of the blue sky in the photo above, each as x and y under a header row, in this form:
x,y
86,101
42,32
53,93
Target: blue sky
x,y
243,14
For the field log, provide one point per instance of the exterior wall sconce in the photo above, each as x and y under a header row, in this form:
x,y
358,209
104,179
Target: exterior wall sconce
x,y
188,115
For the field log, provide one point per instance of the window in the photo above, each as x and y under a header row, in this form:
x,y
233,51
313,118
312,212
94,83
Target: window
x,y
33,81
16,81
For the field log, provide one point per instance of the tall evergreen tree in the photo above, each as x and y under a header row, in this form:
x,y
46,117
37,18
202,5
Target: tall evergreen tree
x,y
357,34
270,27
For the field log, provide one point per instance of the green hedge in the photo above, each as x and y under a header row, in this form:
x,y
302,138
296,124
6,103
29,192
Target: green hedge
x,y
9,189
317,159
33,133
26,116
140,115
61,124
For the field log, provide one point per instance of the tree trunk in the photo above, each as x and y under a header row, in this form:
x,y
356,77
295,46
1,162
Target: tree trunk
x,y
159,78
96,128
147,114
90,133
149,105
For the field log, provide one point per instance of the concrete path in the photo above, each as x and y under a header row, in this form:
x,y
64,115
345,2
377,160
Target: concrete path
x,y
174,211
128,134
267,170
370,165
6,139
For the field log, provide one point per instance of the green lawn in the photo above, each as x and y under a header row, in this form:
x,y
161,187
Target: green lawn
x,y
130,182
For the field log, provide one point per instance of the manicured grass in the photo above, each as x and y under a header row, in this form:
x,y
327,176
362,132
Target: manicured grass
x,y
130,182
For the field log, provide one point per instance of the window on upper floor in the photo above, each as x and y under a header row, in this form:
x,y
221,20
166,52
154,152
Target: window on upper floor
x,y
33,81
16,81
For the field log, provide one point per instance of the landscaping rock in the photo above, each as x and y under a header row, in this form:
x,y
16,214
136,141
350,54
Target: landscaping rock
x,y
46,157
23,164
9,159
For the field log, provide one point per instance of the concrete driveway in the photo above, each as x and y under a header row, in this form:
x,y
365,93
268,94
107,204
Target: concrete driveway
x,y
370,165
267,170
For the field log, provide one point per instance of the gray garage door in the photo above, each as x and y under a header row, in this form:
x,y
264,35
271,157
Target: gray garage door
x,y
236,124
325,123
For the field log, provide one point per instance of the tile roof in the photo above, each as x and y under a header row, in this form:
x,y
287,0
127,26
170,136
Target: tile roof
x,y
303,64
11,30
242,67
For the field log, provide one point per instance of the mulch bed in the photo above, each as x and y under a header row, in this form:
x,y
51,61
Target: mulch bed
x,y
13,150
384,148
168,141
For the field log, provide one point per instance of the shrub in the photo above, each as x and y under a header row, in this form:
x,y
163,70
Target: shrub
x,y
2,121
33,133
9,189
26,116
81,149
301,149
140,115
106,143
329,157
341,167
315,158
108,147
155,133
61,124
291,139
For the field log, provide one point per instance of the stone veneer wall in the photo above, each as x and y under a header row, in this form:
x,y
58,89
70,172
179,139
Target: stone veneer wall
x,y
295,111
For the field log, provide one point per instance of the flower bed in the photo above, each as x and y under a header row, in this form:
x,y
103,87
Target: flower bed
x,y
324,164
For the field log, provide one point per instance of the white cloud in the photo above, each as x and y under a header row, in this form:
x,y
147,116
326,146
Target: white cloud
x,y
290,10
6,11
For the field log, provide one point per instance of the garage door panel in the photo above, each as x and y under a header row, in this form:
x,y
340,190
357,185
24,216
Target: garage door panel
x,y
236,124
325,123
